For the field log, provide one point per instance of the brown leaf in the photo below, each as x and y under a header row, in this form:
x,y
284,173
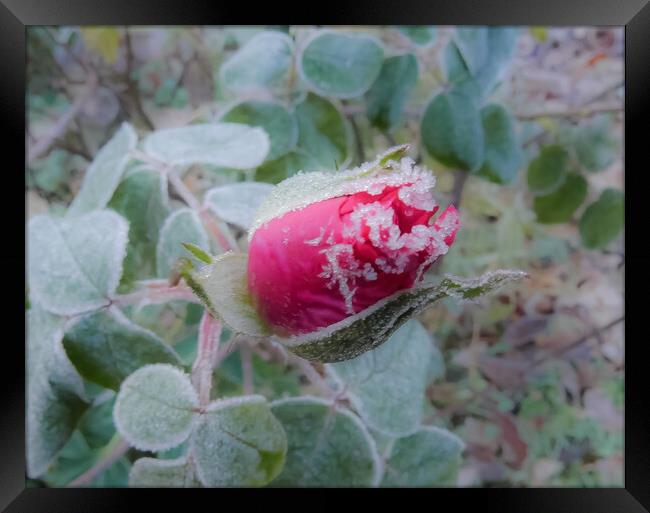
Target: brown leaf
x,y
515,449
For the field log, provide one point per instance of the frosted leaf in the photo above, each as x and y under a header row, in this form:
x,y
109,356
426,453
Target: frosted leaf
x,y
386,385
303,189
230,145
106,347
262,63
55,392
75,264
182,225
104,173
238,442
155,407
237,203
429,457
223,289
371,327
155,473
328,446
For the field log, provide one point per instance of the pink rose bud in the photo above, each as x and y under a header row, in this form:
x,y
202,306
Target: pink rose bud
x,y
318,264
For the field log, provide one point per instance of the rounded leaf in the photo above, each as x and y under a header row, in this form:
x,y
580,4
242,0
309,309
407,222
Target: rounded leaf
x,y
263,63
328,446
452,131
277,122
559,205
238,442
595,145
182,226
156,473
547,171
502,152
75,264
341,65
231,145
274,171
155,407
324,132
237,203
603,220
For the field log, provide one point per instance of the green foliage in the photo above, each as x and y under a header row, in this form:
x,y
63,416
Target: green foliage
x,y
603,220
595,146
452,131
154,473
275,171
548,170
503,155
237,203
105,348
560,205
419,34
183,225
388,95
341,65
327,446
386,385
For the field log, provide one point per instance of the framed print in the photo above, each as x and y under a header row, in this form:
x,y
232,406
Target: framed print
x,y
387,249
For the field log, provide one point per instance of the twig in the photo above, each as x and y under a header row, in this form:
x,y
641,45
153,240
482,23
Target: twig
x,y
208,345
581,112
357,137
460,178
120,448
132,86
312,375
155,295
183,191
61,125
215,230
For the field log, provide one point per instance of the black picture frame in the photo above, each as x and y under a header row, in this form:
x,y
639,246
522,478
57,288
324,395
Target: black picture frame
x,y
16,15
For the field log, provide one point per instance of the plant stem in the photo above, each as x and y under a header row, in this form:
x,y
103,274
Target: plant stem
x,y
183,191
206,356
118,449
155,292
247,368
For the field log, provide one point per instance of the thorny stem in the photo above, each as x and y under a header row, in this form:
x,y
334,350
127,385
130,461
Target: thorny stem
x,y
155,292
206,357
120,447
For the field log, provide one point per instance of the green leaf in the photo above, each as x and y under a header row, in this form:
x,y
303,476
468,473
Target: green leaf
x,y
183,225
105,347
603,220
421,35
223,289
274,171
478,57
386,98
238,442
155,473
52,173
386,385
198,253
142,199
96,424
263,63
155,407
55,393
595,145
429,457
559,205
75,264
452,131
324,132
277,122
230,145
503,156
104,173
328,446
341,65
370,328
548,170
236,203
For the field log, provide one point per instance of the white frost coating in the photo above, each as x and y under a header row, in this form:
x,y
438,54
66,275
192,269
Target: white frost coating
x,y
221,404
154,409
237,203
231,145
158,473
303,189
446,434
104,173
182,225
75,264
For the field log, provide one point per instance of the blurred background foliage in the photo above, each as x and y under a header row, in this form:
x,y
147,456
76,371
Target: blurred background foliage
x,y
523,129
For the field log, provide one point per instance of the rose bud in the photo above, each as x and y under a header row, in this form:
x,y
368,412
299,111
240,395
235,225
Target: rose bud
x,y
326,260
336,261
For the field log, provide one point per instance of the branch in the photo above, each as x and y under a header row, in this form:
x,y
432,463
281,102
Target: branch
x,y
183,191
155,292
120,448
59,128
206,356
